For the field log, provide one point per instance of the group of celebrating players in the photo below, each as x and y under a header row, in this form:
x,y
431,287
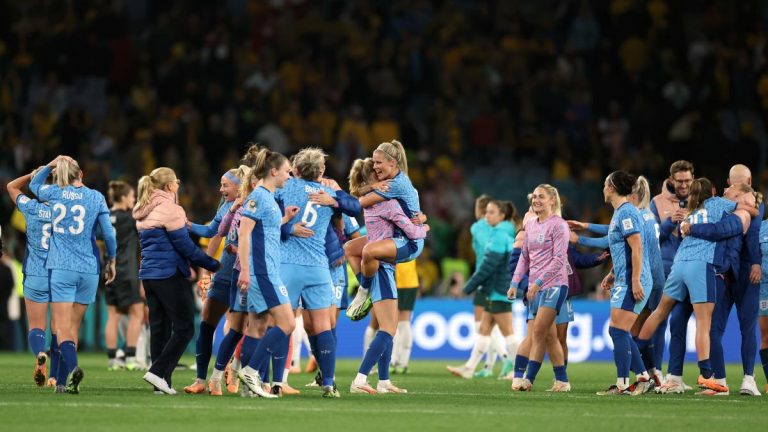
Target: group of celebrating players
x,y
288,234
285,229
683,251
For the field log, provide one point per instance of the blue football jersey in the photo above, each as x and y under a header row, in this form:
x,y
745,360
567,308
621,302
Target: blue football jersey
x,y
625,222
37,216
309,251
74,213
265,238
401,189
696,249
351,225
764,250
651,248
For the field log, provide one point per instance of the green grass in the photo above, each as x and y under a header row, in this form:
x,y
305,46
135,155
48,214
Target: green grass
x,y
117,401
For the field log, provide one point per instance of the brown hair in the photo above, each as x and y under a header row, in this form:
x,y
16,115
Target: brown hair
x,y
680,166
117,190
250,156
701,190
267,160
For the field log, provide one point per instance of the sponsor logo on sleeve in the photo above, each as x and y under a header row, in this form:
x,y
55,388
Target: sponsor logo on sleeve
x,y
627,224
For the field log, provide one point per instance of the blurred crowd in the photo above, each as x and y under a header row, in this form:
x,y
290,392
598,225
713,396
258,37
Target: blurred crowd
x,y
573,89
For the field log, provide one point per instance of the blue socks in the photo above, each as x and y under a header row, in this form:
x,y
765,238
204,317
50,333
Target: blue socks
x,y
69,357
647,350
269,345
637,364
55,357
560,373
380,344
705,368
367,281
246,351
36,340
533,370
622,351
278,360
326,356
521,364
385,360
227,348
204,347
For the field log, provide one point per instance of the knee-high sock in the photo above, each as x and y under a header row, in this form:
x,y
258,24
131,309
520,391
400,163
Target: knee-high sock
x,y
36,340
396,347
288,360
55,357
268,345
69,357
226,349
647,352
142,345
521,364
368,338
659,341
247,349
326,356
384,362
511,344
622,351
481,347
278,359
375,351
497,349
636,362
298,336
204,349
406,342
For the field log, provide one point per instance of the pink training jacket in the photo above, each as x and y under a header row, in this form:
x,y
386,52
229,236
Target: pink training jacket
x,y
545,253
381,219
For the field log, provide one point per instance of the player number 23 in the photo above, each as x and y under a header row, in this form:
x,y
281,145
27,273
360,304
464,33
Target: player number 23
x,y
78,214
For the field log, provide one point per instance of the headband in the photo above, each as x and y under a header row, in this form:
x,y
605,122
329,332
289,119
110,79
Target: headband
x,y
231,177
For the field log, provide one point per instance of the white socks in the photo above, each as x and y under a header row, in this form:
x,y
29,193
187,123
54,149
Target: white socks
x,y
511,343
406,342
482,343
361,379
299,334
217,375
370,333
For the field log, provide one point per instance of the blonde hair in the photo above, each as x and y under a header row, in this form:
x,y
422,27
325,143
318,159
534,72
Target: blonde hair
x,y
310,163
394,150
157,179
66,171
557,207
360,175
242,173
643,192
745,188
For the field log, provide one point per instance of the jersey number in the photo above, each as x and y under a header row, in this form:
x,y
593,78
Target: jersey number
x,y
46,236
78,214
699,217
309,218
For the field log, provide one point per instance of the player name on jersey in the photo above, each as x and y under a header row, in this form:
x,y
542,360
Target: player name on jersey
x,y
71,195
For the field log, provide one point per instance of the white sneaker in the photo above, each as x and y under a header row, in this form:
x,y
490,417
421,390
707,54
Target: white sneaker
x,y
159,383
560,387
672,385
749,386
388,387
687,387
362,388
517,383
250,378
357,303
460,371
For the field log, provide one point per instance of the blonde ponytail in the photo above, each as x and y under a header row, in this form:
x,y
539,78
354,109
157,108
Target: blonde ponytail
x,y
359,175
643,192
395,151
157,179
66,171
557,207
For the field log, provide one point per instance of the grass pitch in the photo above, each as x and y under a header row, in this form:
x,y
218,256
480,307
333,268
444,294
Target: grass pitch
x,y
122,401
